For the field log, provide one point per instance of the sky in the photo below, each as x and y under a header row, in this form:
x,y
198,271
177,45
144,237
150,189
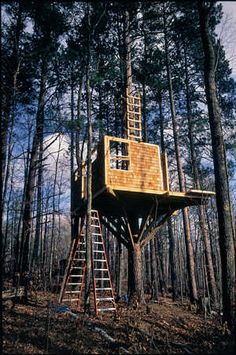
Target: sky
x,y
227,32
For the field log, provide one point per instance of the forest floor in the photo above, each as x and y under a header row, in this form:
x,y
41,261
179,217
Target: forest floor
x,y
157,328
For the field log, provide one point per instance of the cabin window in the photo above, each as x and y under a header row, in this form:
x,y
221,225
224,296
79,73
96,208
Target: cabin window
x,y
119,155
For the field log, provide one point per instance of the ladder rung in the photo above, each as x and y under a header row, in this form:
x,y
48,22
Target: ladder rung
x,y
137,120
74,283
69,299
103,288
134,128
133,124
134,113
132,97
99,251
132,136
102,278
105,299
71,292
106,309
101,270
100,260
77,267
79,259
76,275
97,242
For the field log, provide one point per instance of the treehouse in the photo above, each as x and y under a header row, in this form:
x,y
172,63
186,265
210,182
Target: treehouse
x,y
130,182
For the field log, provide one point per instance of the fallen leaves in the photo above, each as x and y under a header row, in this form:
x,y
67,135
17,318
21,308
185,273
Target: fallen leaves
x,y
166,328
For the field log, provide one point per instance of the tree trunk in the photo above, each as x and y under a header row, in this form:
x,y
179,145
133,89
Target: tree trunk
x,y
173,255
72,152
8,102
35,256
172,238
131,285
225,222
118,268
30,180
154,272
145,135
77,133
186,223
202,222
88,234
127,42
128,66
159,269
137,292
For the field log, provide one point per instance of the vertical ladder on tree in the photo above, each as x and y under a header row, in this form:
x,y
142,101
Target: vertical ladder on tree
x,y
133,117
74,279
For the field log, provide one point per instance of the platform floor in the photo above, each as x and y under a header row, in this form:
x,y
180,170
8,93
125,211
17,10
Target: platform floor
x,y
113,202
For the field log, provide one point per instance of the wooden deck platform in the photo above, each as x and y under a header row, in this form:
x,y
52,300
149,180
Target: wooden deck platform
x,y
114,202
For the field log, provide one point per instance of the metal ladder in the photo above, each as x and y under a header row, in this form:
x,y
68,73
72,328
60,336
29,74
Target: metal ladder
x,y
103,292
74,279
133,117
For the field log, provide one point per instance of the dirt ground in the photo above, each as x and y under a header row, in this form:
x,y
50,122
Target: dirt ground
x,y
156,328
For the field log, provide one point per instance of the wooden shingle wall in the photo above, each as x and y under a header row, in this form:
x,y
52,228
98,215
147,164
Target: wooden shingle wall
x,y
144,173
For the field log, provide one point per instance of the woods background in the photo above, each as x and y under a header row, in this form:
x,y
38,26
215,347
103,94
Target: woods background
x,y
46,61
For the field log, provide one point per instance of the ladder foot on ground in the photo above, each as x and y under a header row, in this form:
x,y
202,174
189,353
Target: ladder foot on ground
x,y
72,289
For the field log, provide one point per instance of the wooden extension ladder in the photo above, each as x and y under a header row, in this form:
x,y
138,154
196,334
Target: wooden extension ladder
x,y
133,117
72,289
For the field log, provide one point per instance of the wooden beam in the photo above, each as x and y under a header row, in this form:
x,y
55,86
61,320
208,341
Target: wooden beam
x,y
133,189
152,234
99,192
118,225
144,223
130,232
118,235
126,219
127,225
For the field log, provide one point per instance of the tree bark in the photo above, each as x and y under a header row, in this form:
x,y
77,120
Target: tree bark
x,y
172,238
35,256
127,42
186,223
154,272
138,291
88,234
202,222
9,90
225,222
173,255
118,268
128,67
72,152
23,266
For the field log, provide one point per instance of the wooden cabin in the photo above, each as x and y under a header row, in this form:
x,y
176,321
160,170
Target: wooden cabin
x,y
132,174
129,176
127,165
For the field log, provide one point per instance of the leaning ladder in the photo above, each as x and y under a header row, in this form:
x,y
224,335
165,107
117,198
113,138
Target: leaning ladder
x,y
74,278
